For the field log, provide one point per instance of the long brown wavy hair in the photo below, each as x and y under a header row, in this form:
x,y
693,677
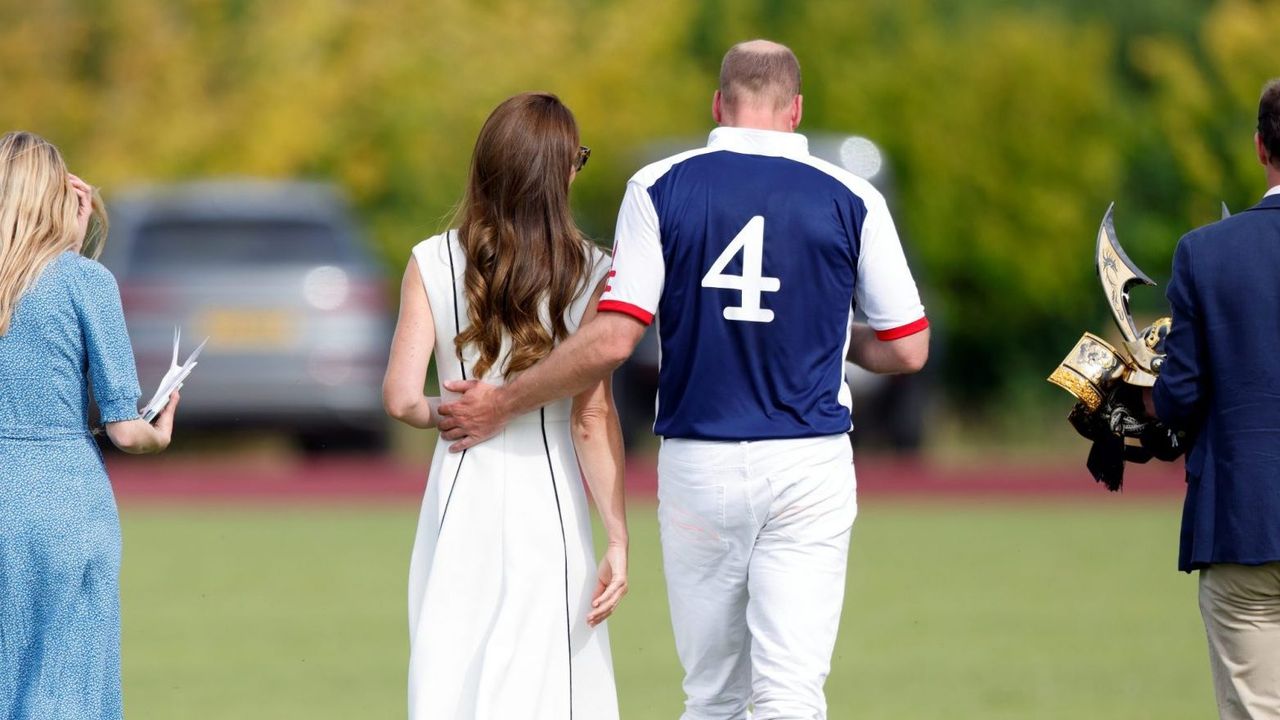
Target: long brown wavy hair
x,y
527,261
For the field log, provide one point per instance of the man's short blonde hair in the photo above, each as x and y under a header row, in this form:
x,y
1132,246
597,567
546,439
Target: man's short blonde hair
x,y
759,72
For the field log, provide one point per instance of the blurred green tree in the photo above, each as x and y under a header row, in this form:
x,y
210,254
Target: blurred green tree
x,y
1006,157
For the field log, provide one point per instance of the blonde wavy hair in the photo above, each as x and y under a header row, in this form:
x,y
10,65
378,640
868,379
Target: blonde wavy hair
x,y
527,262
38,216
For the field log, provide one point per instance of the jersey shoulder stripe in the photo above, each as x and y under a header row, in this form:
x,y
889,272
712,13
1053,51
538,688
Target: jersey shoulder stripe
x,y
646,176
860,187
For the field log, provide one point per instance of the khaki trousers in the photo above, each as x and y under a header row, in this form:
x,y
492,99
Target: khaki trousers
x,y
1240,605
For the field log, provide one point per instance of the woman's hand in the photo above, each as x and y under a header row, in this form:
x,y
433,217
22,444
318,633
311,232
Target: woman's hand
x,y
84,194
611,584
139,437
163,424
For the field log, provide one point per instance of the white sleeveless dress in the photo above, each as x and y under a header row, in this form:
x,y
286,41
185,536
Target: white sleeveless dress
x,y
503,566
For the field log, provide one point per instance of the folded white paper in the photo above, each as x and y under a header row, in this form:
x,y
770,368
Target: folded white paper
x,y
173,379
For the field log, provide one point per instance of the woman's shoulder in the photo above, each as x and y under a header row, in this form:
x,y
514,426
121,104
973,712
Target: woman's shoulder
x,y
85,272
435,243
72,261
598,254
72,267
600,261
434,249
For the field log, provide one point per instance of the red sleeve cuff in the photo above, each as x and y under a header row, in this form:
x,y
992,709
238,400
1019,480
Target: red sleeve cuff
x,y
626,309
903,330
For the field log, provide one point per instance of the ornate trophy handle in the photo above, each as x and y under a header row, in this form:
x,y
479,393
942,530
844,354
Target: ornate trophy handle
x,y
1106,380
1118,274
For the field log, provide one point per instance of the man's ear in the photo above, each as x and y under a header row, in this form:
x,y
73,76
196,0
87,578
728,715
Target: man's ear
x,y
1264,157
797,111
717,108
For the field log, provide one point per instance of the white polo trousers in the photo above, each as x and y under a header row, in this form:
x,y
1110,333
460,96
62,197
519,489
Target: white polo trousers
x,y
755,543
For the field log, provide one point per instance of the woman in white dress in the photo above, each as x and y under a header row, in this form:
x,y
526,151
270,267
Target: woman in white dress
x,y
506,604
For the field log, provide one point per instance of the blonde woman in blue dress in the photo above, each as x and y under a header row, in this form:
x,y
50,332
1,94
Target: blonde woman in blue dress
x,y
506,602
62,331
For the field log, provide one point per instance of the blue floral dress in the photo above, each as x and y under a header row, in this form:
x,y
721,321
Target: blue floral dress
x,y
59,530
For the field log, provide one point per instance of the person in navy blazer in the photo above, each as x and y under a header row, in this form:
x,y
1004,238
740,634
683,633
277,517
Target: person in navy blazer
x,y
1221,384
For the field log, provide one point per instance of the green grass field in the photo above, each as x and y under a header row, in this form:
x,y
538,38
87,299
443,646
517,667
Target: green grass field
x,y
961,611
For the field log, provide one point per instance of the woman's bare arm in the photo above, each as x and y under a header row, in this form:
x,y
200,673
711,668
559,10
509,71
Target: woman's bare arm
x,y
139,437
597,438
415,338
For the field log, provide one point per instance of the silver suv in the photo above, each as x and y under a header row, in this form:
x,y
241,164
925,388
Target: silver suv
x,y
275,274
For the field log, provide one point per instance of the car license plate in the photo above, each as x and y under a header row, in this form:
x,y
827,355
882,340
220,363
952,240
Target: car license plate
x,y
249,329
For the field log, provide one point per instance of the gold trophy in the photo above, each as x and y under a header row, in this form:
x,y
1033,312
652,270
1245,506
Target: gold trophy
x,y
1094,368
1108,381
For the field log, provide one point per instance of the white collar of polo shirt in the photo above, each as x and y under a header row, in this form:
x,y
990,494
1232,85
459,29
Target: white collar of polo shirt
x,y
1273,191
759,142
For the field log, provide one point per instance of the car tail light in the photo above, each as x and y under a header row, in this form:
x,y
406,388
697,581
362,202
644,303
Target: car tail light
x,y
332,288
142,298
326,287
368,295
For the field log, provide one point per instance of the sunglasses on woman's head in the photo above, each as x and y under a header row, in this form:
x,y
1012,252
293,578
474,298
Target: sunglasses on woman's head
x,y
584,154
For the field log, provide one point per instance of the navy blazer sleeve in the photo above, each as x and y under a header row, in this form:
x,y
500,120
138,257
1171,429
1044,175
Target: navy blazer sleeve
x,y
1179,393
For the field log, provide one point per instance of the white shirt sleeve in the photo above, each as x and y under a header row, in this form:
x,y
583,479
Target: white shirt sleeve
x,y
886,292
635,282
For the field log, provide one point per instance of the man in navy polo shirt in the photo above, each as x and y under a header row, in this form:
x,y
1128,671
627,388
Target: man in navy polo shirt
x,y
1221,381
751,257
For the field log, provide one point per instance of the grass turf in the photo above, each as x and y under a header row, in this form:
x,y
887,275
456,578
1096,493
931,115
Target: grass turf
x,y
965,611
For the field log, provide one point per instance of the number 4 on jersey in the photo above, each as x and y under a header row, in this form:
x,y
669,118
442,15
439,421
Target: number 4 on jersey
x,y
752,282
